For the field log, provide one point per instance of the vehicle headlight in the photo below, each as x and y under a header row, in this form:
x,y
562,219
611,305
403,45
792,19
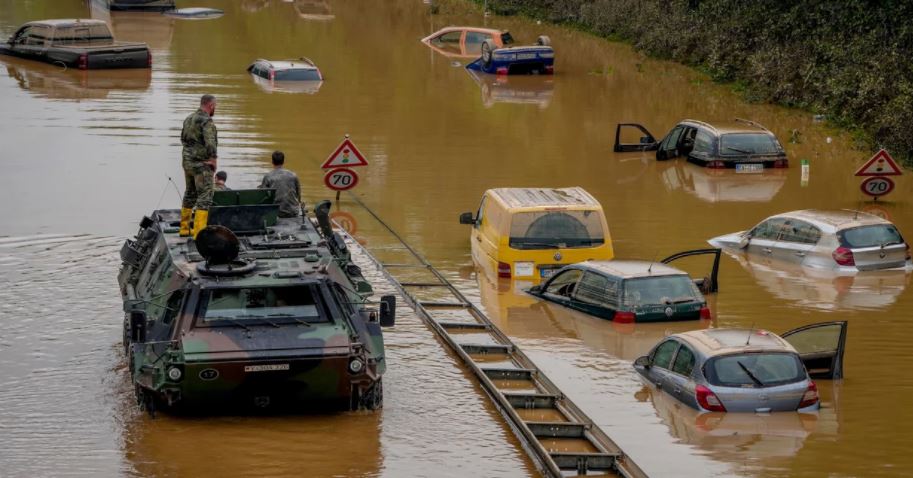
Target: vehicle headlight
x,y
174,374
356,365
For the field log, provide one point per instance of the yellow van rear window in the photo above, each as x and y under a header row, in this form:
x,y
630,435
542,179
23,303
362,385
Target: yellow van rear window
x,y
556,229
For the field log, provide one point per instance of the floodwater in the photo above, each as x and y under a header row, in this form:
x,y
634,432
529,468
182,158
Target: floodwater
x,y
85,154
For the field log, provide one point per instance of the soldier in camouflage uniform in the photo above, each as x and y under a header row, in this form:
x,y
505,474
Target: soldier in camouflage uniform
x,y
200,141
285,182
219,185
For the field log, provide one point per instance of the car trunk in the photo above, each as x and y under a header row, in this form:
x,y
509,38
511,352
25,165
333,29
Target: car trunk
x,y
878,246
873,258
780,398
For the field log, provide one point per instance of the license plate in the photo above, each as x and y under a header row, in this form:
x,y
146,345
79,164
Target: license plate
x,y
523,269
546,273
526,56
266,368
749,168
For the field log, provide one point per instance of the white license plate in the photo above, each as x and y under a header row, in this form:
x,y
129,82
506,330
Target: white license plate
x,y
523,269
266,368
526,56
749,168
546,273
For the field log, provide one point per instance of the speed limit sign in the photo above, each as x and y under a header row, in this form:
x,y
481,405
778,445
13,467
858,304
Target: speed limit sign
x,y
340,179
877,186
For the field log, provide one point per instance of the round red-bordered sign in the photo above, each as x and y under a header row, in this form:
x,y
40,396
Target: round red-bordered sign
x,y
340,179
877,186
345,220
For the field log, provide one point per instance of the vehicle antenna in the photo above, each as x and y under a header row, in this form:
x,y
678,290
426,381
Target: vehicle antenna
x,y
176,190
750,330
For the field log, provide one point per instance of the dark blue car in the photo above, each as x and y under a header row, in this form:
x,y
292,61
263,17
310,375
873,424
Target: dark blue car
x,y
538,59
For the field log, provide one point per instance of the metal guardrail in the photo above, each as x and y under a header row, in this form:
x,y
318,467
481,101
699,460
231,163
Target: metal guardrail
x,y
569,442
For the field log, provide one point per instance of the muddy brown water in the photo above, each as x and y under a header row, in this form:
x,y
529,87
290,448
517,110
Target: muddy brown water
x,y
84,155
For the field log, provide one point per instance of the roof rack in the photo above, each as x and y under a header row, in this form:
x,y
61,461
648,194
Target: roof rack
x,y
702,123
753,123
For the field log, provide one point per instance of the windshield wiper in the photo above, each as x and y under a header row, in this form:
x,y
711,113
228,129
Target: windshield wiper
x,y
737,150
270,322
682,300
296,319
750,375
539,244
233,321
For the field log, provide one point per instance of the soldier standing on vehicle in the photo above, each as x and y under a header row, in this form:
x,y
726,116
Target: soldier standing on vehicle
x,y
199,155
219,185
285,182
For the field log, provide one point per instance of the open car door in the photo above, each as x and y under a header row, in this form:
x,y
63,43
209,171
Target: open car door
x,y
647,141
707,284
820,347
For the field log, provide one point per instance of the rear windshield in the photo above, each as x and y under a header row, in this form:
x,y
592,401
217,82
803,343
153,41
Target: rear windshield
x,y
78,34
556,229
870,236
261,305
748,143
297,75
660,290
755,370
506,39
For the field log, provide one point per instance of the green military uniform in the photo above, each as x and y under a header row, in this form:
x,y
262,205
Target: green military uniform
x,y
200,141
288,190
221,187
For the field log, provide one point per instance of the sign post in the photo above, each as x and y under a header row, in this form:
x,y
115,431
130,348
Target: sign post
x,y
875,172
339,177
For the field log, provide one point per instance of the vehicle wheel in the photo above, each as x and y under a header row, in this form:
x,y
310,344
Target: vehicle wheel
x,y
488,47
543,41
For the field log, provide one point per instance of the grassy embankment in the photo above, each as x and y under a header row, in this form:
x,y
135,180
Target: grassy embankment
x,y
851,61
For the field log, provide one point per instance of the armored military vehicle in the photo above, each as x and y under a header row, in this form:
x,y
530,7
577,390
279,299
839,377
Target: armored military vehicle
x,y
258,312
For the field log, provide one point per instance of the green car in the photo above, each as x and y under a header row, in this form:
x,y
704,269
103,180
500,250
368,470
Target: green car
x,y
631,291
257,312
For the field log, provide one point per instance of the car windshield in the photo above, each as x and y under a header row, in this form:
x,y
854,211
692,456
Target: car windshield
x,y
660,290
748,143
297,75
755,369
258,304
97,33
870,236
556,229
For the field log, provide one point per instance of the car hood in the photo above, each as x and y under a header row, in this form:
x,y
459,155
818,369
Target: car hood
x,y
727,240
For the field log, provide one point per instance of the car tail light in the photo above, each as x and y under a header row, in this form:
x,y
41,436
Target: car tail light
x,y
623,317
781,163
708,400
844,256
716,164
83,62
503,269
502,70
549,70
272,74
811,395
149,59
705,313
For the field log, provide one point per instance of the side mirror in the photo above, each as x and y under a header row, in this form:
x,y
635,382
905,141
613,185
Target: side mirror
x,y
387,311
536,288
642,362
744,241
466,218
137,326
647,140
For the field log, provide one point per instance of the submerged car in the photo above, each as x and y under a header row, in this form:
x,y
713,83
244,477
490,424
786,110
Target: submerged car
x,y
743,145
631,291
258,312
139,5
466,42
530,233
302,69
844,241
746,370
495,50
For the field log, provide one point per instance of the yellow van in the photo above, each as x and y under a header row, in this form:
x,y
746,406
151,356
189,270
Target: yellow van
x,y
529,233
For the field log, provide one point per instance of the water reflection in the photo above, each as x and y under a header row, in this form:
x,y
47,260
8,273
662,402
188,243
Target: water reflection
x,y
535,90
151,28
272,86
318,10
53,82
824,289
718,185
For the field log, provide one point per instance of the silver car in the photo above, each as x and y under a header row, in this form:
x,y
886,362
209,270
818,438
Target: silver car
x,y
746,370
845,241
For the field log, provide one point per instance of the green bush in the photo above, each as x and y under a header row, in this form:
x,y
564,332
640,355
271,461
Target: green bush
x,y
849,60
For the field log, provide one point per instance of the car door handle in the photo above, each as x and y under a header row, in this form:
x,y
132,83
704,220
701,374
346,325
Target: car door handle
x,y
768,250
800,254
677,390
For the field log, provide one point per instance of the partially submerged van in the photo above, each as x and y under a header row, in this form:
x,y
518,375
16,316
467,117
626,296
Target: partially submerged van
x,y
529,233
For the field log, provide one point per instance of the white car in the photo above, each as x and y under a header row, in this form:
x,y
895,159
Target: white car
x,y
845,241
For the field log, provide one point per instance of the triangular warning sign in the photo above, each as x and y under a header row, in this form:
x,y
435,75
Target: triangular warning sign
x,y
882,164
345,155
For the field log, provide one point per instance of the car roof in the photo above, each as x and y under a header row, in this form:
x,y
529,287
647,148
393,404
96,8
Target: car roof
x,y
301,63
841,219
727,127
714,342
451,28
630,269
544,197
65,22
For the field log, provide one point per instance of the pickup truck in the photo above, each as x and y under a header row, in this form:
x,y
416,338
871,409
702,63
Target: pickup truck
x,y
82,43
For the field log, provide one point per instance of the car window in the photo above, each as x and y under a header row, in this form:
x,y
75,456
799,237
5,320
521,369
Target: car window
x,y
662,356
824,338
554,229
671,140
870,236
38,35
172,307
476,38
755,369
592,288
769,229
506,39
748,143
684,361
800,232
563,284
703,142
481,212
23,34
261,304
660,290
299,74
449,41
